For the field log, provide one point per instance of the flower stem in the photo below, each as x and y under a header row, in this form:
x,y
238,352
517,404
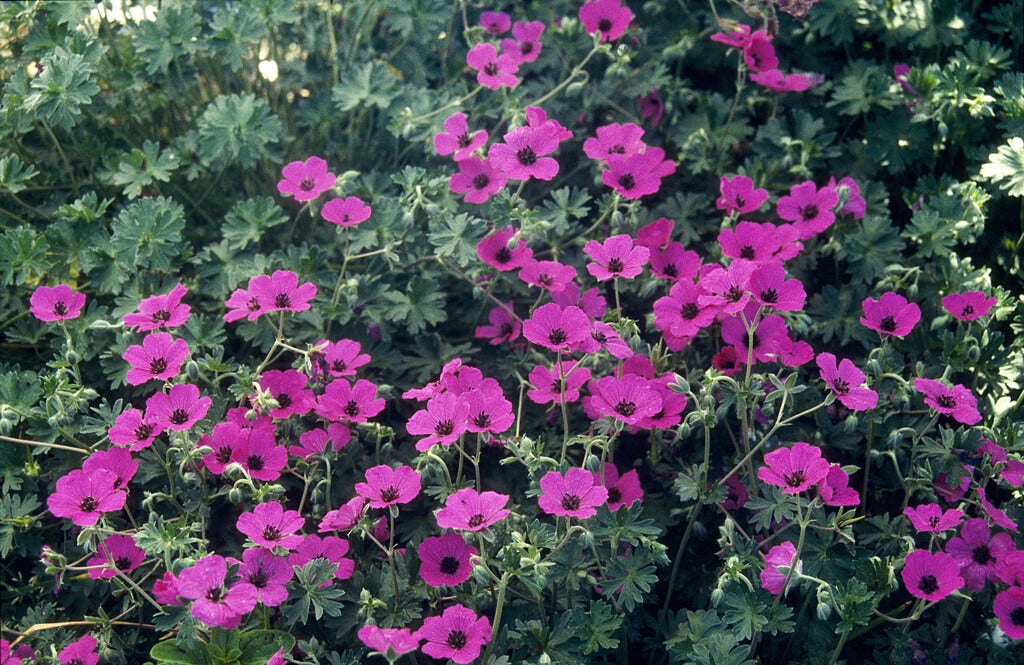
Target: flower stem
x,y
568,79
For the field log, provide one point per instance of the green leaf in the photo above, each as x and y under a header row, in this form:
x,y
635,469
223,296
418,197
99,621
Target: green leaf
x,y
421,305
368,84
456,236
862,87
871,248
237,129
308,595
595,626
147,234
64,87
25,256
259,646
235,34
175,32
1007,164
14,174
141,168
169,653
636,576
248,221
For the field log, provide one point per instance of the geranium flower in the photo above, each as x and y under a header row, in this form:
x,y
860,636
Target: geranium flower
x,y
489,411
737,495
769,286
591,301
773,79
329,548
346,212
160,311
492,70
958,401
547,384
389,642
760,243
281,292
116,553
288,388
737,36
498,250
727,288
968,306
727,361
131,429
550,275
242,304
345,517
158,357
264,575
259,455
495,23
84,497
165,590
306,180
537,119
630,398
556,328
116,460
778,561
572,494
478,179
1009,608
456,138
468,510
681,313
639,174
527,41
444,560
769,338
522,155
675,263
204,583
846,381
855,204
314,441
607,18
758,52
80,652
656,234
443,421
616,257
997,516
603,336
344,402
341,358
672,403
931,576
504,326
615,139
891,314
977,553
623,490
58,303
809,208
930,517
794,469
457,634
178,409
738,195
651,106
835,489
385,486
270,525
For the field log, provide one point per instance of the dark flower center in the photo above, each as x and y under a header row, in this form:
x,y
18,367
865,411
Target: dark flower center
x,y
546,280
933,521
614,495
967,311
285,400
841,387
75,661
689,311
282,300
338,366
253,304
491,69
158,365
503,255
307,184
1017,616
161,315
615,265
142,432
928,584
795,479
981,555
810,212
223,454
271,532
557,336
449,565
617,149
456,639
946,401
258,578
747,252
505,329
526,48
482,419
734,294
627,181
352,408
604,25
888,324
625,408
740,202
444,427
179,416
215,594
475,520
87,504
526,156
464,140
388,494
770,296
255,463
59,308
671,270
481,180
571,502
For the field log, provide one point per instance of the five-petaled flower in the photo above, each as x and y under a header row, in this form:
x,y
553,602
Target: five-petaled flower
x,y
306,180
58,303
794,469
457,634
576,493
386,487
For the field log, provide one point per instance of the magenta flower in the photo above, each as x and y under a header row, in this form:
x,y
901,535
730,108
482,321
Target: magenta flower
x,y
1009,608
591,301
958,401
727,288
346,212
778,561
651,106
270,525
630,398
314,441
760,243
770,336
794,469
223,440
891,314
495,23
504,250
445,560
727,361
855,205
179,408
616,257
550,275
738,195
523,154
59,303
165,590
457,634
615,139
773,79
160,311
80,652
130,429
526,42
385,486
846,381
84,496
809,208
656,234
329,548
968,306
978,554
573,494
675,263
931,576
242,304
835,489
548,385
639,174
306,180
606,18
489,411
478,179
769,287
159,357
443,421
288,387
737,37
557,329
758,52
672,404
281,292
467,510
603,336
117,553
492,70
116,460
213,604
341,358
349,403
681,313
456,138
389,642
265,576
931,518
623,490
345,517
504,326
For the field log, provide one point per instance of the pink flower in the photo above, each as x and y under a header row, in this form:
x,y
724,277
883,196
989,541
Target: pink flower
x,y
345,517
607,18
794,469
495,23
855,204
443,421
737,37
778,561
213,604
165,590
288,388
727,288
160,311
616,257
891,314
117,553
385,486
623,490
265,576
444,560
675,263
846,381
492,70
773,79
760,243
727,361
84,496
281,292
489,411
550,275
523,154
994,514
456,138
769,287
116,460
80,652
651,106
477,179
548,385
639,174
467,510
758,52
258,454
504,250
270,525
603,336
306,180
835,489
457,634
389,642
958,401
931,518
770,335
615,139
130,429
527,42
968,306
178,409
346,212
680,313
572,494
159,357
977,553
59,303
809,208
329,548
591,301
242,304
557,329
739,196
630,398
931,576
1009,608
314,441
340,358
344,402
656,234
504,326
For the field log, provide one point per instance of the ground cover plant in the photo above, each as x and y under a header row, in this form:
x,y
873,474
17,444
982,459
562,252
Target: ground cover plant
x,y
545,332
